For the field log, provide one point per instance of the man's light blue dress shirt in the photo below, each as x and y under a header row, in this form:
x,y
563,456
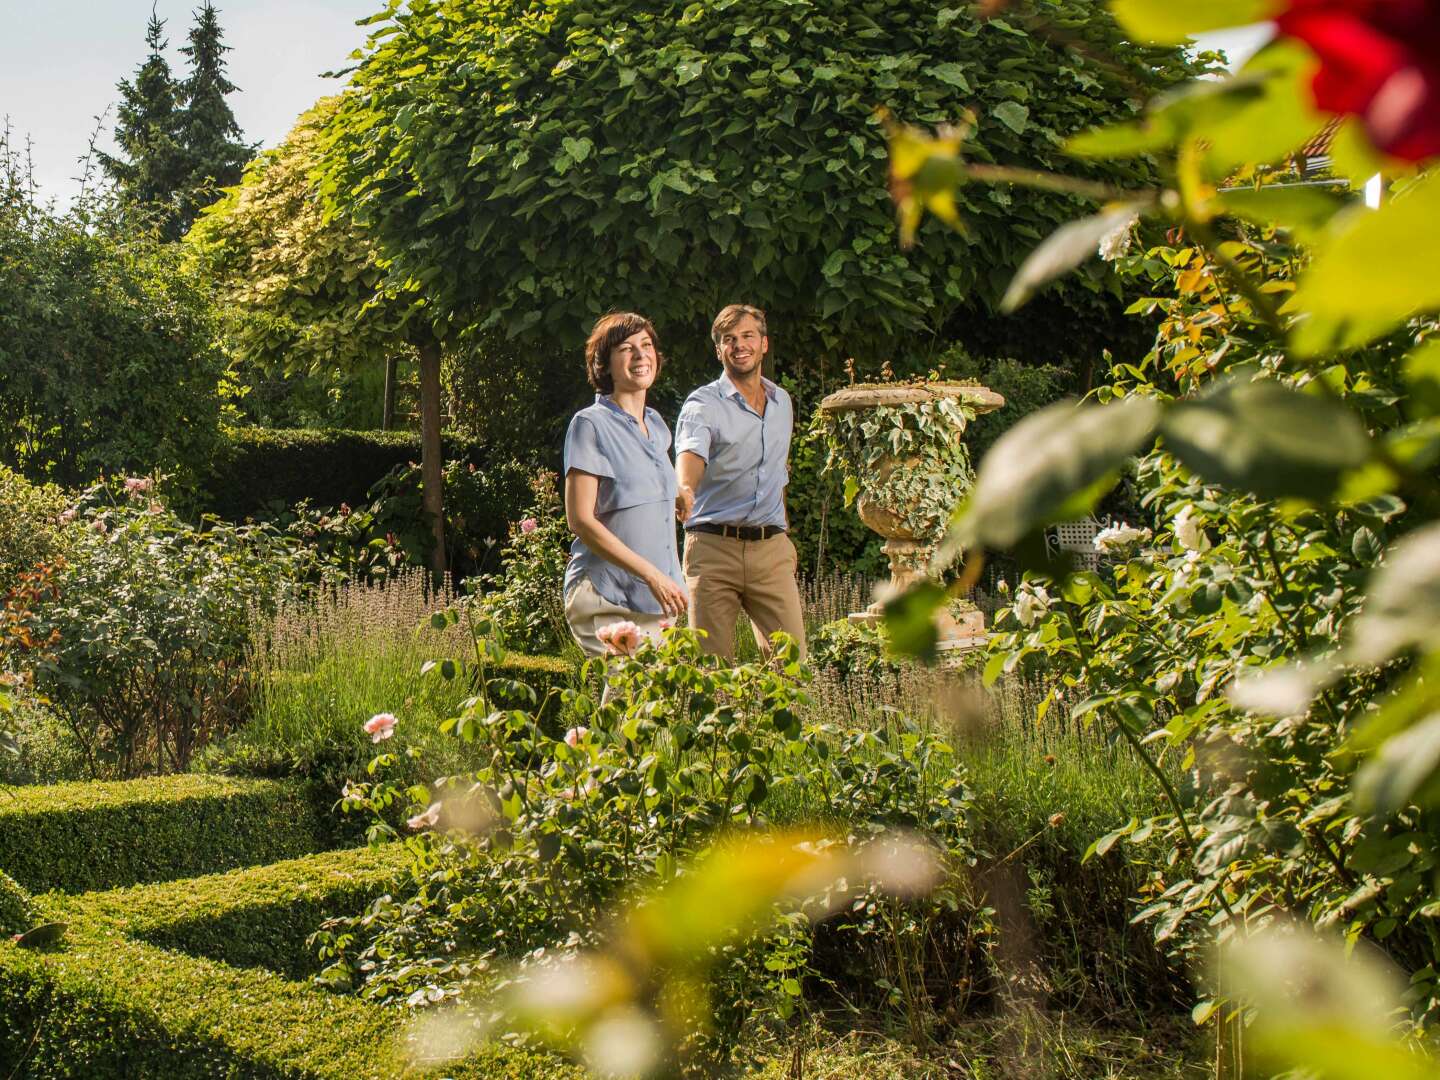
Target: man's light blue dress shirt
x,y
635,499
747,456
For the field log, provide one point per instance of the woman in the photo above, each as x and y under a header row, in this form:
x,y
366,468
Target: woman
x,y
620,492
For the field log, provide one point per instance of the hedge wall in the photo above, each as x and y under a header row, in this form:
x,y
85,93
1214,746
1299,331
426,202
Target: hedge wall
x,y
83,836
106,1006
254,468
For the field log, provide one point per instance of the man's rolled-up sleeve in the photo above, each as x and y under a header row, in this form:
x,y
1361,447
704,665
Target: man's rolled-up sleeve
x,y
692,432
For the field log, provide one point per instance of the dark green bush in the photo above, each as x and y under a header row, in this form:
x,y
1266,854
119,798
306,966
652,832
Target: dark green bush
x,y
257,471
99,835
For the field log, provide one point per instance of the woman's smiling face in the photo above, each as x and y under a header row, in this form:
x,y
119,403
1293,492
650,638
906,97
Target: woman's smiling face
x,y
633,365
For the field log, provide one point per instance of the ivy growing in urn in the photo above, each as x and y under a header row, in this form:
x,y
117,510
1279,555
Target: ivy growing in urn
x,y
865,445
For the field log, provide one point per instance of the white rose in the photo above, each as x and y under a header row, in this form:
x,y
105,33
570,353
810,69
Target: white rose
x,y
1031,603
1189,531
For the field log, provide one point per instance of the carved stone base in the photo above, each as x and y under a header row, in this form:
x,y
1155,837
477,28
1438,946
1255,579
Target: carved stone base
x,y
961,624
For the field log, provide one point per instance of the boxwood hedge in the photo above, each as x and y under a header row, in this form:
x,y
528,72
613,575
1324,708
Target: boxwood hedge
x,y
84,836
256,468
109,1003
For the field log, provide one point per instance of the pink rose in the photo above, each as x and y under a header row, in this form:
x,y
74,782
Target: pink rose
x,y
529,525
574,735
134,485
98,525
380,726
620,638
156,506
68,516
344,509
667,624
427,818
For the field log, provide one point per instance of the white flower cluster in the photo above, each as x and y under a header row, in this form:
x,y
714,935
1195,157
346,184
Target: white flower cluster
x,y
1119,537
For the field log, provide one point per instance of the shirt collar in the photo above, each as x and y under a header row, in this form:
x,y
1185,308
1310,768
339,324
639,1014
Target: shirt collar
x,y
602,399
729,389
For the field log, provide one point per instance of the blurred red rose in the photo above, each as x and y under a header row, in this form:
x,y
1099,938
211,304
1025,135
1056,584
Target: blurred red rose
x,y
1379,60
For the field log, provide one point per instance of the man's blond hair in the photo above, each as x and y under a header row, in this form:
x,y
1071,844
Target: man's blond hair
x,y
727,319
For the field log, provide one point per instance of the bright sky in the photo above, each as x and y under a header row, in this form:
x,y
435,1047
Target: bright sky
x,y
61,59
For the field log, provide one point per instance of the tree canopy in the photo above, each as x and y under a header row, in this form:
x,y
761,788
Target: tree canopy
x,y
528,166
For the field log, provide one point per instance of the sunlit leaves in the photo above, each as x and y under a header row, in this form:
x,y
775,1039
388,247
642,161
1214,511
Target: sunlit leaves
x,y
1402,608
1172,24
1304,210
1267,438
1375,269
1051,466
1319,1006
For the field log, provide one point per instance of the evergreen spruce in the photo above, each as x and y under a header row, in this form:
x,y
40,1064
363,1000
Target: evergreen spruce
x,y
154,163
215,148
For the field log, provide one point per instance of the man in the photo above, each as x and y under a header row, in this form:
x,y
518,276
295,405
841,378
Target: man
x,y
732,450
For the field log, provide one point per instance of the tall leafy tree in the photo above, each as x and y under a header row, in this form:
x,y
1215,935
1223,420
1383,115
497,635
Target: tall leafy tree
x,y
215,149
153,165
305,289
531,165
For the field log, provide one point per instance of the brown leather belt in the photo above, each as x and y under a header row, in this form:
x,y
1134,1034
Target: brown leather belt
x,y
738,532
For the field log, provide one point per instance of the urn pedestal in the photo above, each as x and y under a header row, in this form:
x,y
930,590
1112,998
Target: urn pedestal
x,y
909,551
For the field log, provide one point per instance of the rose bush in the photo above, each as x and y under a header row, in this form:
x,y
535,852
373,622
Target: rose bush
x,y
529,850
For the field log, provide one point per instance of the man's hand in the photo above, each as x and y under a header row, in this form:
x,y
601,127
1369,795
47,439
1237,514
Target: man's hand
x,y
673,598
684,502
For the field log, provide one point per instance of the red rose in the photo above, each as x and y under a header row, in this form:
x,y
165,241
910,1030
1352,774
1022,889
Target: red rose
x,y
1379,60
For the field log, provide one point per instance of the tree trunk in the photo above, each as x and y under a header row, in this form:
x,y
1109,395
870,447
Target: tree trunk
x,y
387,414
430,450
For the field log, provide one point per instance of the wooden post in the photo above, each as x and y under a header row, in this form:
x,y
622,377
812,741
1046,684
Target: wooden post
x,y
430,450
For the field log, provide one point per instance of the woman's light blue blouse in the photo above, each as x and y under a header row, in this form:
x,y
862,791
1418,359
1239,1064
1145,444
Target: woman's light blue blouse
x,y
635,500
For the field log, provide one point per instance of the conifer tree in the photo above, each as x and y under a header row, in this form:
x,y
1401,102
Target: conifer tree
x,y
215,149
154,163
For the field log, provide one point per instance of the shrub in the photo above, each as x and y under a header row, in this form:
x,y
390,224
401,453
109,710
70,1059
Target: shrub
x,y
17,914
685,747
258,471
147,628
319,669
98,835
526,600
31,527
100,320
843,649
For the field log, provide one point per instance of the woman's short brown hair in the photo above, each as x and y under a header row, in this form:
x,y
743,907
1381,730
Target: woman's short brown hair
x,y
609,332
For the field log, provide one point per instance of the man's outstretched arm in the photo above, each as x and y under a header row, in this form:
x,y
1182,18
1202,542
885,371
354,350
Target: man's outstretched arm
x,y
689,471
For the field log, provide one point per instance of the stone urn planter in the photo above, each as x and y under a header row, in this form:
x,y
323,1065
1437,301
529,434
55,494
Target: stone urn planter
x,y
900,448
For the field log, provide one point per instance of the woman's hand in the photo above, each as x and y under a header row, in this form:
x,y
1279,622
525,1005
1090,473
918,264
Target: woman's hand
x,y
673,599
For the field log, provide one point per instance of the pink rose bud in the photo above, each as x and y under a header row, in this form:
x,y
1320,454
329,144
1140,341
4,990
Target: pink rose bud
x,y
575,734
529,525
380,726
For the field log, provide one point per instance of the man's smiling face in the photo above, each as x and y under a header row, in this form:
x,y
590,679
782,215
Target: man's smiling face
x,y
743,346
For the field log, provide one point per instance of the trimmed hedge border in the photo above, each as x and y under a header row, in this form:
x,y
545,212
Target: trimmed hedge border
x,y
254,467
95,835
256,917
108,1007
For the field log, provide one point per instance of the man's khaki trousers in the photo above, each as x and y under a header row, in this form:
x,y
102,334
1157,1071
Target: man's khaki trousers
x,y
725,575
